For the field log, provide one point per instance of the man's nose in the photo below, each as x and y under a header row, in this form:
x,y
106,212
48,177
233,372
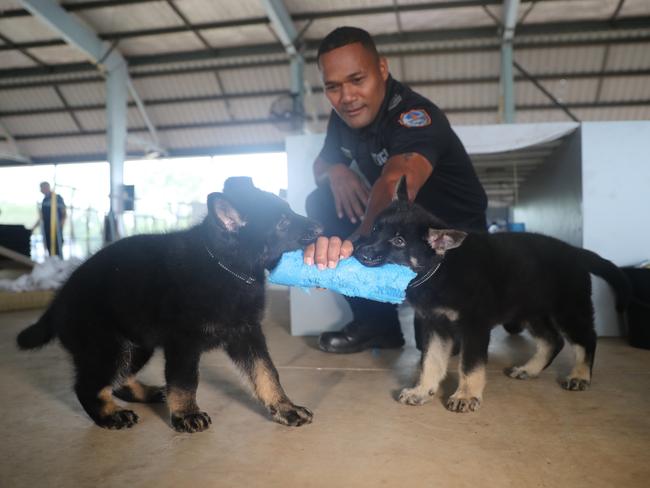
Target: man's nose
x,y
348,93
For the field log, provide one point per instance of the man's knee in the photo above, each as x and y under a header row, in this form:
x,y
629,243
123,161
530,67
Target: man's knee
x,y
319,203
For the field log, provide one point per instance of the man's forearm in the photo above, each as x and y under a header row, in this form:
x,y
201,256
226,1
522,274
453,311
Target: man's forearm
x,y
380,197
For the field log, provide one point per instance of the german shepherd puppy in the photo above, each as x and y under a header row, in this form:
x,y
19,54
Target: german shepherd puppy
x,y
185,292
469,282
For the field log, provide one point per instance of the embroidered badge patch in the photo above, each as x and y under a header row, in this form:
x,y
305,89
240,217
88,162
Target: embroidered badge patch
x,y
417,117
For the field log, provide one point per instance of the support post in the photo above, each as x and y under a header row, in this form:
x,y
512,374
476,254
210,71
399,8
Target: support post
x,y
507,83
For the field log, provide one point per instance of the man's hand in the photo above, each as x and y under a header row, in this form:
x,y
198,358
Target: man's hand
x,y
327,252
350,192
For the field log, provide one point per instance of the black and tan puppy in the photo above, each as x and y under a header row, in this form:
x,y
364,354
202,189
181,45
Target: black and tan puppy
x,y
185,292
468,283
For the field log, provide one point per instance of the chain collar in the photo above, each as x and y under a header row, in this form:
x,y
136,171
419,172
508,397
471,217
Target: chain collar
x,y
425,277
249,280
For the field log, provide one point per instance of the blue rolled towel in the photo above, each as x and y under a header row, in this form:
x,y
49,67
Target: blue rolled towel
x,y
385,283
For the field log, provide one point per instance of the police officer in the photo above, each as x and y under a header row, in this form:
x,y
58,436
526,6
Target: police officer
x,y
379,130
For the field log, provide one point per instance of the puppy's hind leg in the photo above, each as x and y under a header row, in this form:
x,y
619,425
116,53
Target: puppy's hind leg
x,y
472,362
132,390
549,343
579,330
97,369
438,346
249,352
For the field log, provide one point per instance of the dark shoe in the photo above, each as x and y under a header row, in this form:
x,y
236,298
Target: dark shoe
x,y
356,337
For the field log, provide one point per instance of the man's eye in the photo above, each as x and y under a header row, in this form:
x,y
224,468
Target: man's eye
x,y
356,81
331,88
398,241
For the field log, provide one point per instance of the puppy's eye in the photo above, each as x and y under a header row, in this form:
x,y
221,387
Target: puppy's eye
x,y
283,224
398,241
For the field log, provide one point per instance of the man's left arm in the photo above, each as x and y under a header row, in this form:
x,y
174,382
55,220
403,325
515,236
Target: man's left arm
x,y
417,170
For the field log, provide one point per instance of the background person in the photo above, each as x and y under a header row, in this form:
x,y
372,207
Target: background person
x,y
46,219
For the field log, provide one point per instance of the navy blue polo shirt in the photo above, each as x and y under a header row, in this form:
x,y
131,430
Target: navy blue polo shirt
x,y
409,123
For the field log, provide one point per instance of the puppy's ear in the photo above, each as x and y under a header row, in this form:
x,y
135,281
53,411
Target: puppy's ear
x,y
442,240
224,212
401,190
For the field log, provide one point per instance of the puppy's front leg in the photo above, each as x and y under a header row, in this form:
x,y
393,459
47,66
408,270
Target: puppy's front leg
x,y
182,376
471,369
250,354
438,344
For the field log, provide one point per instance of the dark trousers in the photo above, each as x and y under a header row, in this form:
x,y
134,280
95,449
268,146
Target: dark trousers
x,y
382,317
48,240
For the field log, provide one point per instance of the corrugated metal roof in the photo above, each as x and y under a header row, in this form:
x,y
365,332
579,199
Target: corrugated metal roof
x,y
168,43
25,29
126,18
299,6
39,124
375,24
208,10
178,86
251,80
29,98
239,36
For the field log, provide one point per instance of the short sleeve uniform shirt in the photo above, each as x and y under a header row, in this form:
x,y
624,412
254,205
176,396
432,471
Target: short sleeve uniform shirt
x,y
409,123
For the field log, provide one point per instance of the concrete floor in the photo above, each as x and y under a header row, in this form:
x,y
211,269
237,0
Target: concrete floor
x,y
527,433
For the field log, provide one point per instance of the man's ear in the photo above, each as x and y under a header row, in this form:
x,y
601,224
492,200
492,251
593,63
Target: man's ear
x,y
383,67
225,213
442,240
401,191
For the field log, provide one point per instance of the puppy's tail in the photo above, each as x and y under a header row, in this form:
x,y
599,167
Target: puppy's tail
x,y
611,273
36,335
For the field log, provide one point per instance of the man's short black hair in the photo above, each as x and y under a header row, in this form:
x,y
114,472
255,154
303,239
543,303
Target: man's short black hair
x,y
342,36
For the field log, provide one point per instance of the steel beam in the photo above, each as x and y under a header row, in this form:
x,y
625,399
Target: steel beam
x,y
116,100
507,85
286,32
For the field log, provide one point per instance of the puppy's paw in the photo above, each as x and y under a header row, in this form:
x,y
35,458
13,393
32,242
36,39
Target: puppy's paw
x,y
291,415
191,422
119,419
518,373
575,384
463,405
415,396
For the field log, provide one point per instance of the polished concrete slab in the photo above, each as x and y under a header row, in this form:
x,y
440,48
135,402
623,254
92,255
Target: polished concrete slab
x,y
527,433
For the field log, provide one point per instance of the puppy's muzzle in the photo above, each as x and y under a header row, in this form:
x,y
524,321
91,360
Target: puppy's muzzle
x,y
368,256
313,233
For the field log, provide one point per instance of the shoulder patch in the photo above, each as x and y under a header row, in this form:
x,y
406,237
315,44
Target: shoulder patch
x,y
417,117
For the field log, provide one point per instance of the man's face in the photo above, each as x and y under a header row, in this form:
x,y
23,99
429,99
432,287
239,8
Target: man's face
x,y
355,83
45,189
